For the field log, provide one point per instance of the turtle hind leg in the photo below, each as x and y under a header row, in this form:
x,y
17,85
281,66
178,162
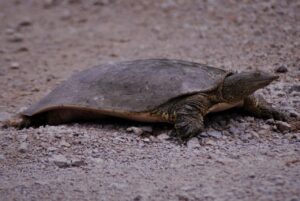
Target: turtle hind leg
x,y
257,106
18,122
24,121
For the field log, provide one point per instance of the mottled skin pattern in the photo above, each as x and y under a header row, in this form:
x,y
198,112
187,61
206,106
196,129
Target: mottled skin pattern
x,y
188,114
85,95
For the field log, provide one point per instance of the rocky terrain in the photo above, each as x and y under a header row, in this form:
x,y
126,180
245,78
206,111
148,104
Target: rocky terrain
x,y
237,158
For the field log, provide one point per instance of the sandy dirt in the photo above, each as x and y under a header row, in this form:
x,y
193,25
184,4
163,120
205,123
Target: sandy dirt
x,y
237,158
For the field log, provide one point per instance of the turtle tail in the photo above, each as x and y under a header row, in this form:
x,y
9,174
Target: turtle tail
x,y
19,122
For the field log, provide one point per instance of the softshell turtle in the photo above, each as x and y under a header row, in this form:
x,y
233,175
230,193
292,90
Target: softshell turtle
x,y
151,90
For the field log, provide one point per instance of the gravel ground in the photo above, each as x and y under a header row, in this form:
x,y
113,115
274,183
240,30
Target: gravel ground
x,y
237,158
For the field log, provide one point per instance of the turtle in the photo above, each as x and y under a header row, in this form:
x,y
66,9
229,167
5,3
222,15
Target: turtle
x,y
152,90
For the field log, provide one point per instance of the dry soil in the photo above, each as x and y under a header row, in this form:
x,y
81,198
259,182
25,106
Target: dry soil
x,y
43,42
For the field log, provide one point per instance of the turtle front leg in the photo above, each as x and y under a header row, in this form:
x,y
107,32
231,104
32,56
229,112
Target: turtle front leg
x,y
189,117
257,106
188,125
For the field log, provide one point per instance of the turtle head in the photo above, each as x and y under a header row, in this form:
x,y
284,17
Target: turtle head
x,y
240,85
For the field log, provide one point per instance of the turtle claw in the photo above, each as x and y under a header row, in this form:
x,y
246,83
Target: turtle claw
x,y
174,137
270,112
277,115
258,107
183,132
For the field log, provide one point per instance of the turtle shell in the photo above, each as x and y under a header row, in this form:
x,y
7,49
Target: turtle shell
x,y
130,86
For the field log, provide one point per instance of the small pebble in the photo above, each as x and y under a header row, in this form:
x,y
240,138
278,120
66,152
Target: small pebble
x,y
249,119
187,188
74,1
234,131
270,121
281,94
58,135
295,94
98,160
51,149
23,148
224,160
14,65
146,139
25,22
66,15
193,143
295,87
295,198
2,157
166,5
294,113
255,134
22,49
163,137
147,129
215,134
138,198
101,2
281,69
77,162
49,3
9,31
294,136
153,138
246,137
16,38
60,161
266,127
63,143
283,126
210,142
263,131
135,130
278,180
118,185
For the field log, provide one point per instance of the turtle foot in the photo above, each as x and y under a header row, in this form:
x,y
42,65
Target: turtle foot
x,y
278,115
